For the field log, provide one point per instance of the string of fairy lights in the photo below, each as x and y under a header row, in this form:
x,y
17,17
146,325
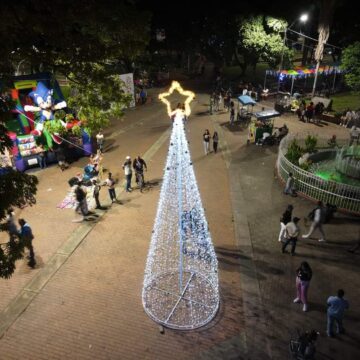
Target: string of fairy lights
x,y
180,288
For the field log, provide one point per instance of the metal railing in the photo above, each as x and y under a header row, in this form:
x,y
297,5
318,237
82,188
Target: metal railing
x,y
345,197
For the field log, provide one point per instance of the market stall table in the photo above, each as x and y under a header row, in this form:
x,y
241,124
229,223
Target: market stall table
x,y
264,123
243,107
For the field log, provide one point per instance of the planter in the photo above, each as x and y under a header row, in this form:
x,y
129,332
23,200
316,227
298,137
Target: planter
x,y
330,118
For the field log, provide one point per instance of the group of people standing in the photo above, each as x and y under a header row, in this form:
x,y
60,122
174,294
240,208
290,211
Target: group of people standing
x,y
138,165
310,113
218,98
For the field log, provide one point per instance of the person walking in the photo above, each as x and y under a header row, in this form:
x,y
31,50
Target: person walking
x,y
128,173
61,158
27,236
303,277
11,226
216,101
290,185
227,100
335,313
354,135
309,113
143,96
96,193
232,112
215,141
138,165
292,233
284,220
110,183
301,110
317,215
80,196
206,140
41,156
100,141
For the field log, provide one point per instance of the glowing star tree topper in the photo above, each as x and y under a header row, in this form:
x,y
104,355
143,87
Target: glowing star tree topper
x,y
189,98
181,276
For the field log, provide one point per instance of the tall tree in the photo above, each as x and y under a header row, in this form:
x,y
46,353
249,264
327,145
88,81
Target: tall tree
x,y
16,189
70,36
350,61
260,39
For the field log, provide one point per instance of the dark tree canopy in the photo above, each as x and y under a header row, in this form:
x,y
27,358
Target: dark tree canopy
x,y
68,37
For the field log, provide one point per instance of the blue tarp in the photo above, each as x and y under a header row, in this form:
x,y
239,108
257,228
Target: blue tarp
x,y
246,100
267,114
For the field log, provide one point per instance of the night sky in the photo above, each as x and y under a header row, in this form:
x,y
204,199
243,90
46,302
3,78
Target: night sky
x,y
177,17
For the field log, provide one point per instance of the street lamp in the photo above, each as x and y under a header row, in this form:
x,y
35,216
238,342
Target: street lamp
x,y
303,18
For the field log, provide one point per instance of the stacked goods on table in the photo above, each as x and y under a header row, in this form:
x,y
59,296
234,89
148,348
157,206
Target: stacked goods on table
x,y
27,145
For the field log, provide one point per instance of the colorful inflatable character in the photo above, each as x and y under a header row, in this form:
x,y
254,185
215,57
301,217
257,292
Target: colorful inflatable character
x,y
43,97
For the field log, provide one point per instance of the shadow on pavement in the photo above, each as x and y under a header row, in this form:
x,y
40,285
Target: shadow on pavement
x,y
231,252
236,126
263,266
111,148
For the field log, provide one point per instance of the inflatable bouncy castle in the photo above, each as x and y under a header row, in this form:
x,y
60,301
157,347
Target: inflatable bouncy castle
x,y
38,125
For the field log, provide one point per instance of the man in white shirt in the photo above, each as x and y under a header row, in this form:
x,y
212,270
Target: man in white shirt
x,y
110,183
100,141
128,173
292,232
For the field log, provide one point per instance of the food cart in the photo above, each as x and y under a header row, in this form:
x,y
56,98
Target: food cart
x,y
264,122
243,112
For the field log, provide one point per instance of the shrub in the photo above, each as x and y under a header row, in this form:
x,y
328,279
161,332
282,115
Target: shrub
x,y
294,152
310,143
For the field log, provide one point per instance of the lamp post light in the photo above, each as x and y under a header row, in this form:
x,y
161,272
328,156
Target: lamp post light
x,y
303,18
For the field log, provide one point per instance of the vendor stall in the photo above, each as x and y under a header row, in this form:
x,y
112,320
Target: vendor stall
x,y
264,123
243,112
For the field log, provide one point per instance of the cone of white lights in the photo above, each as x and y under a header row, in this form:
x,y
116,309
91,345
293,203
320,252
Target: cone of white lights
x,y
181,277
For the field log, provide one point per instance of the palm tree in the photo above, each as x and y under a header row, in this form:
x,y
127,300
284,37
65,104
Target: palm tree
x,y
327,8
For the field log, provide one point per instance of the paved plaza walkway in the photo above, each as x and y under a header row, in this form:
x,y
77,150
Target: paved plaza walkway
x,y
83,301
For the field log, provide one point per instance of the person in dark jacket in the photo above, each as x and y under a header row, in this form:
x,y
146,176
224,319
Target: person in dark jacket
x,y
303,277
27,236
80,196
285,218
138,165
11,226
96,193
215,141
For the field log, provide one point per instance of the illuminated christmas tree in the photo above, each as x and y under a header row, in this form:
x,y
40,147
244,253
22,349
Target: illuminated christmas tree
x,y
181,276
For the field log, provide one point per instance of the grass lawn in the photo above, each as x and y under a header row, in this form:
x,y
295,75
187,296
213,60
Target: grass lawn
x,y
342,101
